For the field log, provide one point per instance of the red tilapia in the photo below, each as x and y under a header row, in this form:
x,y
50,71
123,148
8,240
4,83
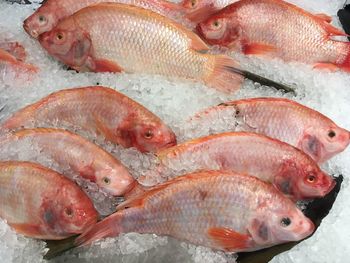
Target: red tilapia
x,y
52,11
71,151
99,111
282,119
216,209
278,29
40,203
289,169
116,37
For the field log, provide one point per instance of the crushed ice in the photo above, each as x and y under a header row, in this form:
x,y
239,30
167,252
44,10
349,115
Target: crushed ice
x,y
175,102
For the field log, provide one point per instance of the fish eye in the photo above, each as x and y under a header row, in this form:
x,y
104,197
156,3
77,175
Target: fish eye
x,y
285,221
59,36
331,134
106,180
148,134
311,178
193,3
68,211
42,18
216,23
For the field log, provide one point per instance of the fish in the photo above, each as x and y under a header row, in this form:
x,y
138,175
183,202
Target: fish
x,y
199,10
13,54
40,203
71,151
83,42
51,12
93,40
250,26
289,169
216,209
100,112
282,119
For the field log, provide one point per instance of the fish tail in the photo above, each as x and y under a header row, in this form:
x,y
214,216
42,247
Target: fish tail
x,y
108,227
221,78
57,247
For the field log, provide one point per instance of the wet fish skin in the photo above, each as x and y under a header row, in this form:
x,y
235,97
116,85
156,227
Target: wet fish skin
x,y
285,120
98,111
93,40
67,149
51,12
40,203
251,215
297,36
290,170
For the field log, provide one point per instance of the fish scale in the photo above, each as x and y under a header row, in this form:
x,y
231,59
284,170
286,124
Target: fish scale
x,y
216,209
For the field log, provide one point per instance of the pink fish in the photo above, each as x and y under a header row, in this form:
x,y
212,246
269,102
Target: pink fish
x,y
282,119
216,209
275,28
67,149
99,111
40,203
289,169
52,11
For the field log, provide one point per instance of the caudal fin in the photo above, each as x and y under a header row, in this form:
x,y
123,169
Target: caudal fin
x,y
108,227
221,78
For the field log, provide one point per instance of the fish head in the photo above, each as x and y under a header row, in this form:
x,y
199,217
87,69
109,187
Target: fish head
x,y
198,10
281,222
68,212
68,43
44,19
322,143
219,30
303,179
152,136
115,181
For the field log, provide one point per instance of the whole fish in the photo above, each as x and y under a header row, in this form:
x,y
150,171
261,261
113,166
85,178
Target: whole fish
x,y
286,167
92,39
47,16
40,203
216,209
199,10
99,111
67,149
282,119
278,29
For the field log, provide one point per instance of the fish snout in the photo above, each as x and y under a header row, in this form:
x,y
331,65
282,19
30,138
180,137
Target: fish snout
x,y
32,32
327,185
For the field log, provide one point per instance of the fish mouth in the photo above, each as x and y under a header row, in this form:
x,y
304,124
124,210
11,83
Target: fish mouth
x,y
33,33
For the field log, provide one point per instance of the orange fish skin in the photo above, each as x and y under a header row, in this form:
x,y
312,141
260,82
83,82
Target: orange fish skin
x,y
285,120
83,157
93,40
290,170
277,29
50,13
40,203
216,209
99,111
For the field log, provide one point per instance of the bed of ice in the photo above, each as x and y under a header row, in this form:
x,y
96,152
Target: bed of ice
x,y
175,101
